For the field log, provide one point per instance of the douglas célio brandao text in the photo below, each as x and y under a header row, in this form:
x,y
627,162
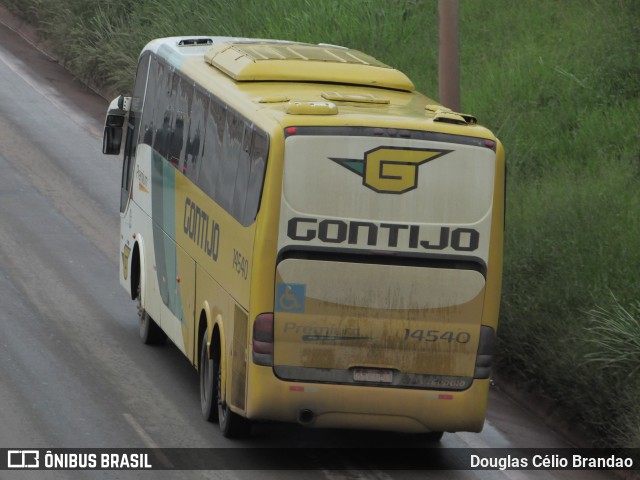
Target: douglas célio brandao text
x,y
567,461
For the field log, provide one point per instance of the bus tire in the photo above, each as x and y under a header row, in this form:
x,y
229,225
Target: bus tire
x,y
150,332
208,382
231,424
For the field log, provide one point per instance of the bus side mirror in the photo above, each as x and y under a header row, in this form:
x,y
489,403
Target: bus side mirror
x,y
113,125
112,138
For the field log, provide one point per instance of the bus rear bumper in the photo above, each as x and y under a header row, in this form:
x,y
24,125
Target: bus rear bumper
x,y
362,407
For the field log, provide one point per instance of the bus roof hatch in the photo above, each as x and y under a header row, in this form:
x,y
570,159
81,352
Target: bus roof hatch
x,y
270,61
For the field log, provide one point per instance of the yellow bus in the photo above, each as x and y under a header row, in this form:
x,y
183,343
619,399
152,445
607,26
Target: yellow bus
x,y
322,242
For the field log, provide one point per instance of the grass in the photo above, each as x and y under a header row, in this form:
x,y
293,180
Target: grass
x,y
559,83
615,339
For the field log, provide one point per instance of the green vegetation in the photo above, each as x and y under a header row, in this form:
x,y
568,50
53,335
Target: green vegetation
x,y
559,83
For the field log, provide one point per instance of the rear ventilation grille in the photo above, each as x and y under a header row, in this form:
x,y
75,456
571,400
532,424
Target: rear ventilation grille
x,y
446,115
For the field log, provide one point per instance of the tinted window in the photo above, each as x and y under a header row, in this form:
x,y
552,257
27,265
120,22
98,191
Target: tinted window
x,y
195,138
211,144
231,153
135,110
151,100
212,153
133,128
163,109
242,175
257,166
182,91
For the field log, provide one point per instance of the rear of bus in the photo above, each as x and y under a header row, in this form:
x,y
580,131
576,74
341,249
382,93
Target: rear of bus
x,y
375,303
387,279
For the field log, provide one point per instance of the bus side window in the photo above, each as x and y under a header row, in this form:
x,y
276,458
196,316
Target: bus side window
x,y
163,110
162,134
195,137
151,101
133,128
242,175
232,152
231,155
183,93
211,153
258,163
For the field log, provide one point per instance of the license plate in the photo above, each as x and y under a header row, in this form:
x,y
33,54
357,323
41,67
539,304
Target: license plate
x,y
372,375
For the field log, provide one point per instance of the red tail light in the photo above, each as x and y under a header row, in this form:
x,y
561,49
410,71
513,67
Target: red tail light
x,y
262,340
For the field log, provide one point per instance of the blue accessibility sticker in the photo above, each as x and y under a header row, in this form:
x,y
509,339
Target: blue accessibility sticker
x,y
290,297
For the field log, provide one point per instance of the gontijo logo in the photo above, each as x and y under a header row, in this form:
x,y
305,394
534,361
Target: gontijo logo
x,y
390,169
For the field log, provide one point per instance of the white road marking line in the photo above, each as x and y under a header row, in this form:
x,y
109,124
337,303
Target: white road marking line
x,y
149,442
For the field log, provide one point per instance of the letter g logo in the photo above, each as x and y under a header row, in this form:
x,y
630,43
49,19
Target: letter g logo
x,y
391,169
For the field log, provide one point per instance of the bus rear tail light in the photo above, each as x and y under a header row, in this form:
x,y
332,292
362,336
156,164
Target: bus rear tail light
x,y
262,340
484,359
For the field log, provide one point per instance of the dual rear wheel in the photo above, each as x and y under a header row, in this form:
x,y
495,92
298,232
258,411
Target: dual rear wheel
x,y
214,407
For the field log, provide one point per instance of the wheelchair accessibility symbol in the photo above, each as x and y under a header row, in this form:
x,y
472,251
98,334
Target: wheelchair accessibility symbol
x,y
290,297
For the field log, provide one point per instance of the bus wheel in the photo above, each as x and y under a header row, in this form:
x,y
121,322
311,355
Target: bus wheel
x,y
208,386
150,332
232,425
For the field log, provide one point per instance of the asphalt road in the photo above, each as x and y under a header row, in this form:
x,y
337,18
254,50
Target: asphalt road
x,y
73,373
